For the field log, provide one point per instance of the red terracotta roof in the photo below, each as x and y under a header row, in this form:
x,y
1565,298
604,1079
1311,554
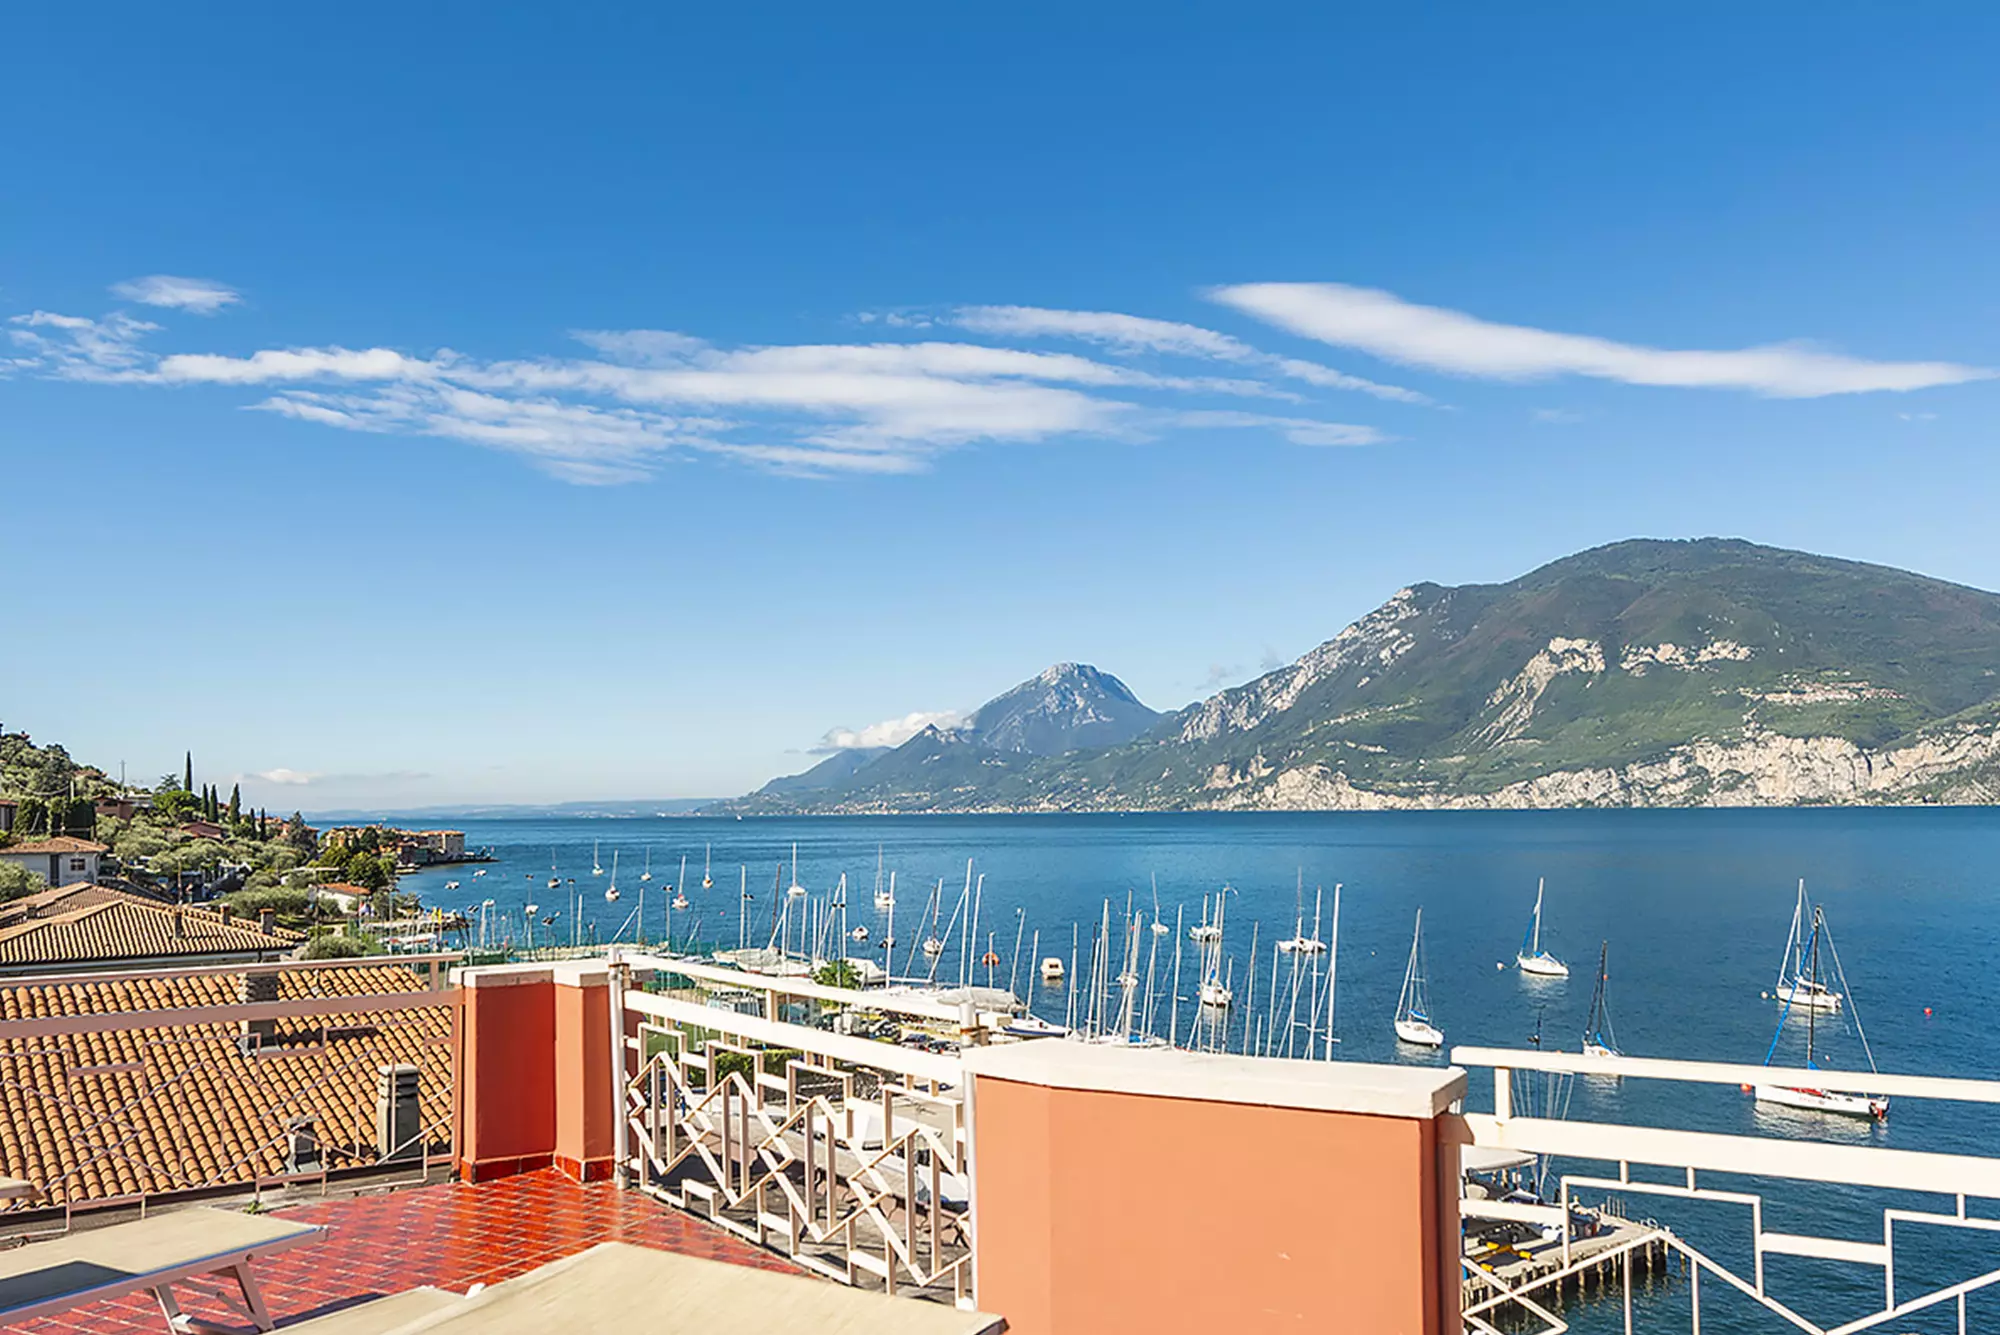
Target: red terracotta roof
x,y
88,924
101,1115
61,843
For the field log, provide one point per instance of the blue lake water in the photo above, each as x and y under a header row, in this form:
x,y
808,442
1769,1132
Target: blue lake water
x,y
1694,905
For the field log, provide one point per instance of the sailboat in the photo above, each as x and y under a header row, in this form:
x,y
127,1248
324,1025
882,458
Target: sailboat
x,y
1799,983
1299,943
795,890
707,862
1413,1007
555,879
884,899
1815,1099
647,874
1532,958
1214,991
611,891
1598,1039
595,868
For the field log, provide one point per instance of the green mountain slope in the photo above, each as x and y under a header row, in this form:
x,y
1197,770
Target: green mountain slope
x,y
1642,673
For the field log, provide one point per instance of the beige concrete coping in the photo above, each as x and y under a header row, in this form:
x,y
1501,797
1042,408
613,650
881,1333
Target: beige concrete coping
x,y
616,1286
379,1314
501,975
1349,1087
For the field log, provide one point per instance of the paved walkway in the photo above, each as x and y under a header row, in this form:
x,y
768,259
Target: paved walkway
x,y
452,1236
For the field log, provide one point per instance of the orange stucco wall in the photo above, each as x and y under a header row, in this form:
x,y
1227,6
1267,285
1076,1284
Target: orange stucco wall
x,y
1126,1212
506,1084
583,1106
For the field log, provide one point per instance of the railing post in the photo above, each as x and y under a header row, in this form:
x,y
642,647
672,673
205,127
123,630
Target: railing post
x,y
1503,1093
620,1127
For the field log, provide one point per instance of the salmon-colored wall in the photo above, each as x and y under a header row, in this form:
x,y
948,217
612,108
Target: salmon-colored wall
x,y
583,1131
506,1087
1102,1213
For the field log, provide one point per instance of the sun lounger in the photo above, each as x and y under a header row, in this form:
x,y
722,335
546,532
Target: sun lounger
x,y
146,1255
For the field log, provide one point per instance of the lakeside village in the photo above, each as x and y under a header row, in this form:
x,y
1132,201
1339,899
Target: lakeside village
x,y
146,899
77,843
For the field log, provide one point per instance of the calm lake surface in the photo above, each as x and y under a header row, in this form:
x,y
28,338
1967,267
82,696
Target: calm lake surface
x,y
1694,904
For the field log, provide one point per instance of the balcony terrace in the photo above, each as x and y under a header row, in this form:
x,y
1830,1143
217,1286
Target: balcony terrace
x,y
1067,1187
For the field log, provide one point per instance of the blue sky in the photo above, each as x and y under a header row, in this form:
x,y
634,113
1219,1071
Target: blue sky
x,y
432,403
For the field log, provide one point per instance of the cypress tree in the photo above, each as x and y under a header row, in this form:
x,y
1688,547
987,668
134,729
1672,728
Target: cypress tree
x,y
235,803
187,780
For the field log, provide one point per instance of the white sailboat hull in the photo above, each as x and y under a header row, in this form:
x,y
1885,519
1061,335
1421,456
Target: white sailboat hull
x,y
1543,965
1419,1034
1825,1100
1809,995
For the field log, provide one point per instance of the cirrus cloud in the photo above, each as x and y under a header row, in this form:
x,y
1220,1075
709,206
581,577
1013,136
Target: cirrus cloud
x,y
641,396
203,296
1386,326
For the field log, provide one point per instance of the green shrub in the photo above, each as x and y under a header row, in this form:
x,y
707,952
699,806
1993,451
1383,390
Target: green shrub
x,y
343,947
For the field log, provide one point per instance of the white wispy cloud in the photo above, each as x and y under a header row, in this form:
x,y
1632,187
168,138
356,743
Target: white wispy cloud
x,y
291,778
71,347
203,296
1386,326
1137,333
1298,430
638,396
889,732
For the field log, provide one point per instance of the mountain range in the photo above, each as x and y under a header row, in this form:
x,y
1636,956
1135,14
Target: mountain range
x,y
1644,673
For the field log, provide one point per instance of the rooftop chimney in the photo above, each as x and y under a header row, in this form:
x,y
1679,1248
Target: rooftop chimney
x,y
255,988
398,1119
267,921
180,923
302,1145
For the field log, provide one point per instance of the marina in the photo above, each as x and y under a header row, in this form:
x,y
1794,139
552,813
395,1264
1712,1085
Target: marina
x,y
1315,973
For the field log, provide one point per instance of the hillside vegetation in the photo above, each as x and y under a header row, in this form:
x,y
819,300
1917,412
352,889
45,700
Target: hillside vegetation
x,y
1642,673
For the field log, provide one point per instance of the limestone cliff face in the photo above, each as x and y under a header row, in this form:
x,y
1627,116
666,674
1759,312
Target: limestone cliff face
x,y
1954,766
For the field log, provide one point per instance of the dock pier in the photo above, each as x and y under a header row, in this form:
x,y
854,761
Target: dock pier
x,y
1499,1276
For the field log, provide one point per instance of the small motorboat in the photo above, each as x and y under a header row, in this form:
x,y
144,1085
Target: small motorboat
x,y
1033,1026
1052,970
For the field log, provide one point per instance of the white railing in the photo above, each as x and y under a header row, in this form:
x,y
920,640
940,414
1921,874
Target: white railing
x,y
850,1156
1957,1177
143,1104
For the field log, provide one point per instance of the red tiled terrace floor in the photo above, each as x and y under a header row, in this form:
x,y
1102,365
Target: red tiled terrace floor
x,y
452,1236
